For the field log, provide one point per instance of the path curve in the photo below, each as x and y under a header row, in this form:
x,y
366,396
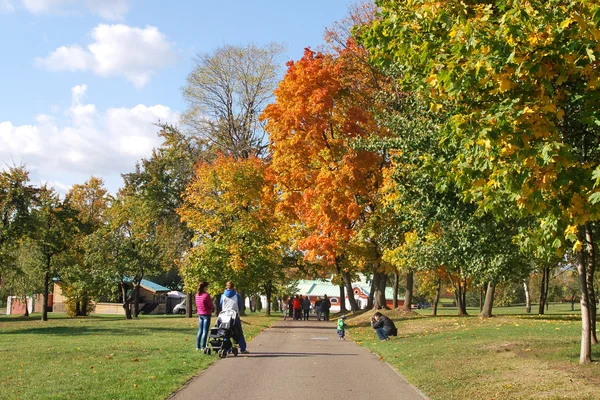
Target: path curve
x,y
299,360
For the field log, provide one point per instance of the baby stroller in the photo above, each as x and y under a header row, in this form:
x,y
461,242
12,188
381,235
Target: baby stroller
x,y
220,336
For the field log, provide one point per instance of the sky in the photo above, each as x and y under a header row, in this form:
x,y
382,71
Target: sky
x,y
82,82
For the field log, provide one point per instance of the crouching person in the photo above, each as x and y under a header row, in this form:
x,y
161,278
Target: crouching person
x,y
383,326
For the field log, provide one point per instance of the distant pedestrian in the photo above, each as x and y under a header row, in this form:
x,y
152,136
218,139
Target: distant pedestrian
x,y
290,306
325,306
341,327
306,307
297,307
384,327
318,307
204,307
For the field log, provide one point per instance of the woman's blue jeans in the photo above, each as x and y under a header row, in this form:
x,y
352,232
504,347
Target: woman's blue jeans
x,y
203,329
381,333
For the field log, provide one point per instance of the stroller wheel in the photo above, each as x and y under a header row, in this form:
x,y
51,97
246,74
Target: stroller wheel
x,y
207,351
234,351
222,353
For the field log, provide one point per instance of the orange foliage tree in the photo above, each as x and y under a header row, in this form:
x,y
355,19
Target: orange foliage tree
x,y
322,106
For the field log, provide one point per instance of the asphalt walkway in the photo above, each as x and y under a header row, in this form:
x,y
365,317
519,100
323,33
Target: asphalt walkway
x,y
299,360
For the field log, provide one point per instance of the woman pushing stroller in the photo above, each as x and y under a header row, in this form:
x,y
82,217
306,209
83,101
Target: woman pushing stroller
x,y
230,300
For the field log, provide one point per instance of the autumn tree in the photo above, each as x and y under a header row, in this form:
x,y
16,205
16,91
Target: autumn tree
x,y
519,81
331,188
80,283
226,93
229,205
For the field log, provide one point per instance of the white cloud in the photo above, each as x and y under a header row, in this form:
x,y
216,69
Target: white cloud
x,y
88,142
69,58
114,10
44,6
134,53
6,6
109,9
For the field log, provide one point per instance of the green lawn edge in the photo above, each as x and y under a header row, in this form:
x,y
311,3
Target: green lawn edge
x,y
103,356
511,356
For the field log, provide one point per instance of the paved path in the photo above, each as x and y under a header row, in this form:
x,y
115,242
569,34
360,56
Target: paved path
x,y
299,360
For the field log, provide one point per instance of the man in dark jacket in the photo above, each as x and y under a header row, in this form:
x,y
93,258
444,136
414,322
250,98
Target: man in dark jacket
x,y
383,326
325,306
305,308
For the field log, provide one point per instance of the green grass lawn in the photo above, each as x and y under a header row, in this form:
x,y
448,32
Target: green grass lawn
x,y
102,357
511,356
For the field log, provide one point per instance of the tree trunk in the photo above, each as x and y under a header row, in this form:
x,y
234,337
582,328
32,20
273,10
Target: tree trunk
x,y
585,355
26,308
408,295
371,299
380,299
243,297
189,299
84,306
460,295
527,298
46,290
436,300
342,299
136,299
543,290
268,292
591,267
376,279
573,303
396,283
350,291
486,312
126,301
218,303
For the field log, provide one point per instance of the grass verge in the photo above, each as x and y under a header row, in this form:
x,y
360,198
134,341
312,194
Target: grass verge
x,y
102,357
505,357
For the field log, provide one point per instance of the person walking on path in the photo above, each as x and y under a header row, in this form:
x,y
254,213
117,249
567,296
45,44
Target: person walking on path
x,y
383,326
306,307
290,307
318,307
230,300
341,327
325,306
297,307
204,307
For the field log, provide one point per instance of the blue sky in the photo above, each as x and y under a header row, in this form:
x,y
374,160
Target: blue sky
x,y
82,81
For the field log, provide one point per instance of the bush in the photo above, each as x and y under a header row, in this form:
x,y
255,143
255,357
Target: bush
x,y
79,307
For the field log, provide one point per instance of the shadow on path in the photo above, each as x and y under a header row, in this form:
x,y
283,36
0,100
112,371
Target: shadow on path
x,y
294,355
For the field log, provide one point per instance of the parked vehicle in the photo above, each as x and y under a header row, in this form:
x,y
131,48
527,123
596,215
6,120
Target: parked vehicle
x,y
180,308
